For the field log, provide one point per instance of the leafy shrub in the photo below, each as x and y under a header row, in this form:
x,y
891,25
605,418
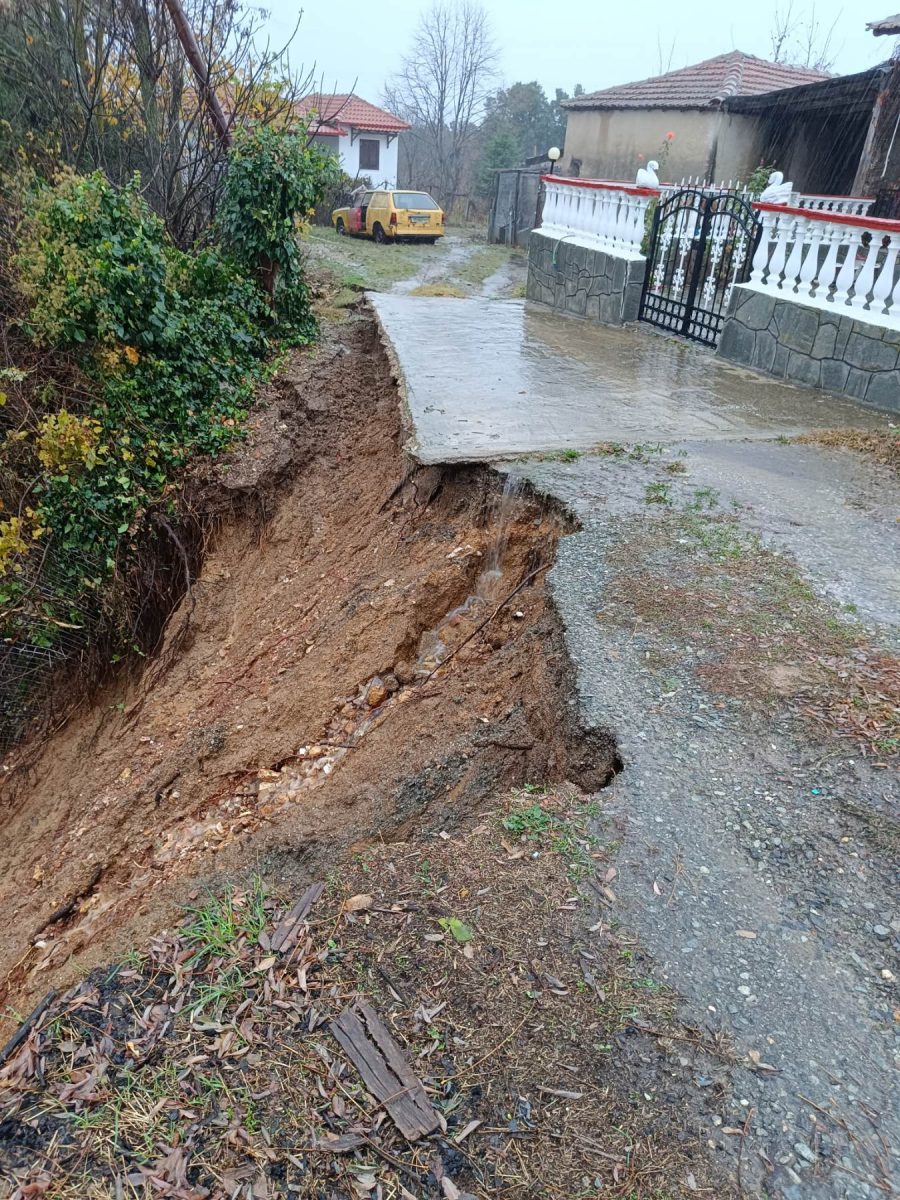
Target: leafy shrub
x,y
338,193
66,443
155,354
758,180
92,264
172,345
274,181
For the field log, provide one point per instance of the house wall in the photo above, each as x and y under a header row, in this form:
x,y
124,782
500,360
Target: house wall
x,y
740,141
386,175
614,143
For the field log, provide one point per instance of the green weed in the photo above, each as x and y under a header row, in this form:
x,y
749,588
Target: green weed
x,y
658,493
214,928
530,823
705,499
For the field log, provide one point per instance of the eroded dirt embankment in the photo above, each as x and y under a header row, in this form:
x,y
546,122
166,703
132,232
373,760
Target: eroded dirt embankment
x,y
292,711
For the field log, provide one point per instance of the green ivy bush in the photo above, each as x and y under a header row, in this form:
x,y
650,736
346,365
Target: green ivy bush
x,y
274,182
172,345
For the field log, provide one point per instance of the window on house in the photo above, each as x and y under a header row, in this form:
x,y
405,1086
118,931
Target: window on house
x,y
326,143
368,154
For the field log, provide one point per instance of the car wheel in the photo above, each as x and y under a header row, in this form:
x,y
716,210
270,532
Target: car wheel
x,y
431,241
341,227
378,234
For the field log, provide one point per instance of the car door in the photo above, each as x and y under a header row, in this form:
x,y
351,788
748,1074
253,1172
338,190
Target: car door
x,y
357,215
379,213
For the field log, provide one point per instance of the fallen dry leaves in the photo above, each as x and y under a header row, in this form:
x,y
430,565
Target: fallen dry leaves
x,y
206,1067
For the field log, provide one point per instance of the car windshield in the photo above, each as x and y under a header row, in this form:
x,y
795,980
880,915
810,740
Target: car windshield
x,y
413,200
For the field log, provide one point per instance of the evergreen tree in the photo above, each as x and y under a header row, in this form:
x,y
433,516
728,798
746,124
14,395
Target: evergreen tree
x,y
501,150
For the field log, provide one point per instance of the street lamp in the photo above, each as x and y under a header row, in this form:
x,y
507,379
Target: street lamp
x,y
553,154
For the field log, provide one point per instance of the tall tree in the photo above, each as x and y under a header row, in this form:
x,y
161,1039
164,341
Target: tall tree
x,y
800,39
501,150
442,86
524,110
104,84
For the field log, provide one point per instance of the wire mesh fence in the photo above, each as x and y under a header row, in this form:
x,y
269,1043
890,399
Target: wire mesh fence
x,y
41,633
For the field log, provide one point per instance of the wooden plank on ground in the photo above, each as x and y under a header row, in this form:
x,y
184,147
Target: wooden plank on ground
x,y
384,1069
285,934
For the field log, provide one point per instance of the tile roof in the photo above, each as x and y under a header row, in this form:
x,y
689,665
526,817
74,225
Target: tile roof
x,y
704,85
340,111
888,26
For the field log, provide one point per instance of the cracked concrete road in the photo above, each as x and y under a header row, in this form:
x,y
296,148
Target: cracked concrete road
x,y
757,851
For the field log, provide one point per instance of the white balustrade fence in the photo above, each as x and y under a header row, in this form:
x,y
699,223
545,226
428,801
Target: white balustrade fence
x,y
695,183
601,215
849,206
833,261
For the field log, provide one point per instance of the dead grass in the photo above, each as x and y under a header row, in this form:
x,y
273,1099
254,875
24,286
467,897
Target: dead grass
x,y
757,630
438,289
204,1067
882,446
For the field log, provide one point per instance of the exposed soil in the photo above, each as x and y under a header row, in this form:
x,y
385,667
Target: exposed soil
x,y
295,707
206,1065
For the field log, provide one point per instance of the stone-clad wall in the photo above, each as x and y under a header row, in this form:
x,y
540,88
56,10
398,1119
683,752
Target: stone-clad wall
x,y
584,282
821,348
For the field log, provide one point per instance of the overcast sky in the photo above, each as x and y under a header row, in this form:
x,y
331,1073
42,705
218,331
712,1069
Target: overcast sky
x,y
597,43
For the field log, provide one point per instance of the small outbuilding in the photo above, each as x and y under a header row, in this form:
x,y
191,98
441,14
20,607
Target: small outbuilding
x,y
362,135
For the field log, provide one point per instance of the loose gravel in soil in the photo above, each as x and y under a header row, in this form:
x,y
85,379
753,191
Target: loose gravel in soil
x,y
757,809
303,657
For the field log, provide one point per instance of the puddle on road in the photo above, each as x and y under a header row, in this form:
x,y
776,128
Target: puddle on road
x,y
492,378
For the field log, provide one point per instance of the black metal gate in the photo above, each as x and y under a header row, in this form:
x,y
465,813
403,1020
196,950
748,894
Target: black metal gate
x,y
701,244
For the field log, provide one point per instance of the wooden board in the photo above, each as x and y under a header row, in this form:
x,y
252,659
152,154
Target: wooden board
x,y
285,935
384,1070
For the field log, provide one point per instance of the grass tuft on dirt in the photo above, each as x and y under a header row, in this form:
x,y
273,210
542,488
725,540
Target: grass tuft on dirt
x,y
882,446
205,1065
438,289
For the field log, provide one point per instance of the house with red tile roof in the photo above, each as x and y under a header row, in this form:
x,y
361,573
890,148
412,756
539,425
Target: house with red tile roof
x,y
363,136
681,119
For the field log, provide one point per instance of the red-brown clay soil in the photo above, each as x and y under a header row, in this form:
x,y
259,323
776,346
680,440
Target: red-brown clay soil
x,y
284,719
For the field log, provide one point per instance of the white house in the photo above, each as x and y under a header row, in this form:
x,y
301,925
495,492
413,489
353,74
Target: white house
x,y
363,136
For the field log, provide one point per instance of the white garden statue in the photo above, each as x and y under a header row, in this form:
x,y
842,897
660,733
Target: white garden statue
x,y
777,191
646,176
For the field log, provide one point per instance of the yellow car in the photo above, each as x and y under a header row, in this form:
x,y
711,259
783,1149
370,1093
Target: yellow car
x,y
392,217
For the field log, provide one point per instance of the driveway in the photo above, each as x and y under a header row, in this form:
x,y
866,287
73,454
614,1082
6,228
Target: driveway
x,y
490,379
730,603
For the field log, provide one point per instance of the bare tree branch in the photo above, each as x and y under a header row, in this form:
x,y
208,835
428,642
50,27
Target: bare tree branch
x,y
103,84
441,88
800,40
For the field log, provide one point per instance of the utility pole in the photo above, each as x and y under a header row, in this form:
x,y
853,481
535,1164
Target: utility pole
x,y
194,55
